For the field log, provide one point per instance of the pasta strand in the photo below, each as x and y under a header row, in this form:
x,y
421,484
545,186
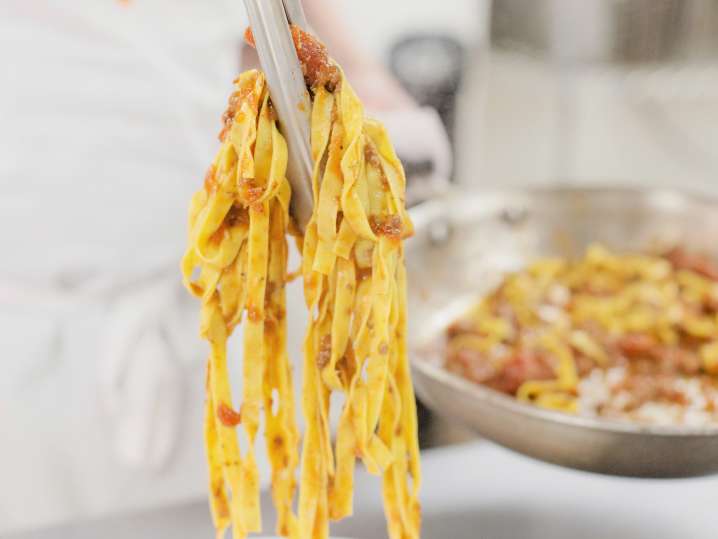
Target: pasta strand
x,y
355,294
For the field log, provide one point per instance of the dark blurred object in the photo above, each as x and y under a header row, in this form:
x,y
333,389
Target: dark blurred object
x,y
614,31
430,67
420,168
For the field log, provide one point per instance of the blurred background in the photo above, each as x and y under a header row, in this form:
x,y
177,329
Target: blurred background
x,y
109,116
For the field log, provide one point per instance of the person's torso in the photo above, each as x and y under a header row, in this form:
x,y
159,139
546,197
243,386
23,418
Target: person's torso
x,y
108,119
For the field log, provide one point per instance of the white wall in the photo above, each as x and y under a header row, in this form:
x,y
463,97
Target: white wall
x,y
382,21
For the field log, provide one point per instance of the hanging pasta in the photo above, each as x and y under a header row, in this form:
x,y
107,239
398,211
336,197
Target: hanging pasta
x,y
355,292
354,285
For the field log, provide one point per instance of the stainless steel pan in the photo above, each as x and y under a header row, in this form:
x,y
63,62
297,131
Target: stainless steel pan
x,y
463,244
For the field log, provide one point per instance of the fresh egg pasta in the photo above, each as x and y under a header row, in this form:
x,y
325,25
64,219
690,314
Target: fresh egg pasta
x,y
355,293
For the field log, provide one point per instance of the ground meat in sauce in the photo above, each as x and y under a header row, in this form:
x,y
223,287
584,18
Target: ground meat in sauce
x,y
249,191
636,345
324,355
519,368
371,155
363,273
372,158
389,225
218,235
647,355
254,314
228,416
584,365
210,180
317,67
228,117
346,365
701,264
236,215
233,103
472,365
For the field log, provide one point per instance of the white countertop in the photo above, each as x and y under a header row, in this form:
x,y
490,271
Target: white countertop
x,y
478,490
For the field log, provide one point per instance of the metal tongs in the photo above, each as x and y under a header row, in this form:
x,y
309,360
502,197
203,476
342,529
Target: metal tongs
x,y
270,20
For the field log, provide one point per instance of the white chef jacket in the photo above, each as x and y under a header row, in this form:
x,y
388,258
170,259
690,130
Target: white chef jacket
x,y
109,112
108,118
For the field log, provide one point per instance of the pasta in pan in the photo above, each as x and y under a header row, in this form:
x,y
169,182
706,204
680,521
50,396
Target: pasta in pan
x,y
621,336
354,287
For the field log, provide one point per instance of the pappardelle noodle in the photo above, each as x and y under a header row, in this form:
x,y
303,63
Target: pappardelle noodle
x,y
355,294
